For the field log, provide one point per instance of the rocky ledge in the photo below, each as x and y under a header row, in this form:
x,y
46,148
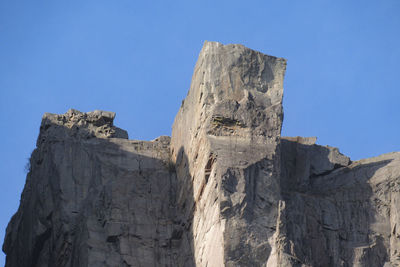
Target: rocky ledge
x,y
224,190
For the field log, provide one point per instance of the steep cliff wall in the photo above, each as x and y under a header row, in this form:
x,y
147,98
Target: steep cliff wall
x,y
93,198
228,130
225,190
334,212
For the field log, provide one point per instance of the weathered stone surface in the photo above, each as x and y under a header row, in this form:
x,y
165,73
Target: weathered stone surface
x,y
302,159
225,190
83,125
90,200
348,217
224,142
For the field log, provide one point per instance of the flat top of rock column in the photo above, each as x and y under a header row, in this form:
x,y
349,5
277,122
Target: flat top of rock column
x,y
235,91
234,68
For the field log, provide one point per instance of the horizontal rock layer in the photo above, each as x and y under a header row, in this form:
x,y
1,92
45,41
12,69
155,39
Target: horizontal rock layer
x,y
225,190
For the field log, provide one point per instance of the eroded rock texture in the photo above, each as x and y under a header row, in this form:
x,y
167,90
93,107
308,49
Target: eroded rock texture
x,y
346,214
225,144
92,199
225,190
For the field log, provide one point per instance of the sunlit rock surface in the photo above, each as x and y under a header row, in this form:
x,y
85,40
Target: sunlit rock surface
x,y
225,190
225,144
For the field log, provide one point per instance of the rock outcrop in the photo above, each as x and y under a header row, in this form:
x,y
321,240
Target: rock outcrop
x,y
344,214
93,198
225,144
225,190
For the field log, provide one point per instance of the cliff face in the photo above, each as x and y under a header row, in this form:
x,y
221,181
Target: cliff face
x,y
225,190
224,142
94,198
334,212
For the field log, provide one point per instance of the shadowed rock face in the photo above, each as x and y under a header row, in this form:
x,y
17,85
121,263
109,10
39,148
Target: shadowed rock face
x,y
225,190
94,200
346,216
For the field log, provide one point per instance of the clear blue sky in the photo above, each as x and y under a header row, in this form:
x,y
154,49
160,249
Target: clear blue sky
x,y
136,58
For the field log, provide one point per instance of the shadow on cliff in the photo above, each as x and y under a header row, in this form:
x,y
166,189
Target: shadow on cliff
x,y
185,205
179,245
329,216
51,221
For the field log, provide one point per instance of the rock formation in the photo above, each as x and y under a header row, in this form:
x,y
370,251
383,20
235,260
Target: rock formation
x,y
225,190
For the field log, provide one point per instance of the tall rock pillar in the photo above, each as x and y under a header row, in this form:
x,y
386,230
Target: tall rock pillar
x,y
225,145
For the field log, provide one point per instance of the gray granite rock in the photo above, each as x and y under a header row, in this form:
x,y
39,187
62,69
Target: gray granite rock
x,y
225,190
303,160
228,130
347,217
82,125
94,200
